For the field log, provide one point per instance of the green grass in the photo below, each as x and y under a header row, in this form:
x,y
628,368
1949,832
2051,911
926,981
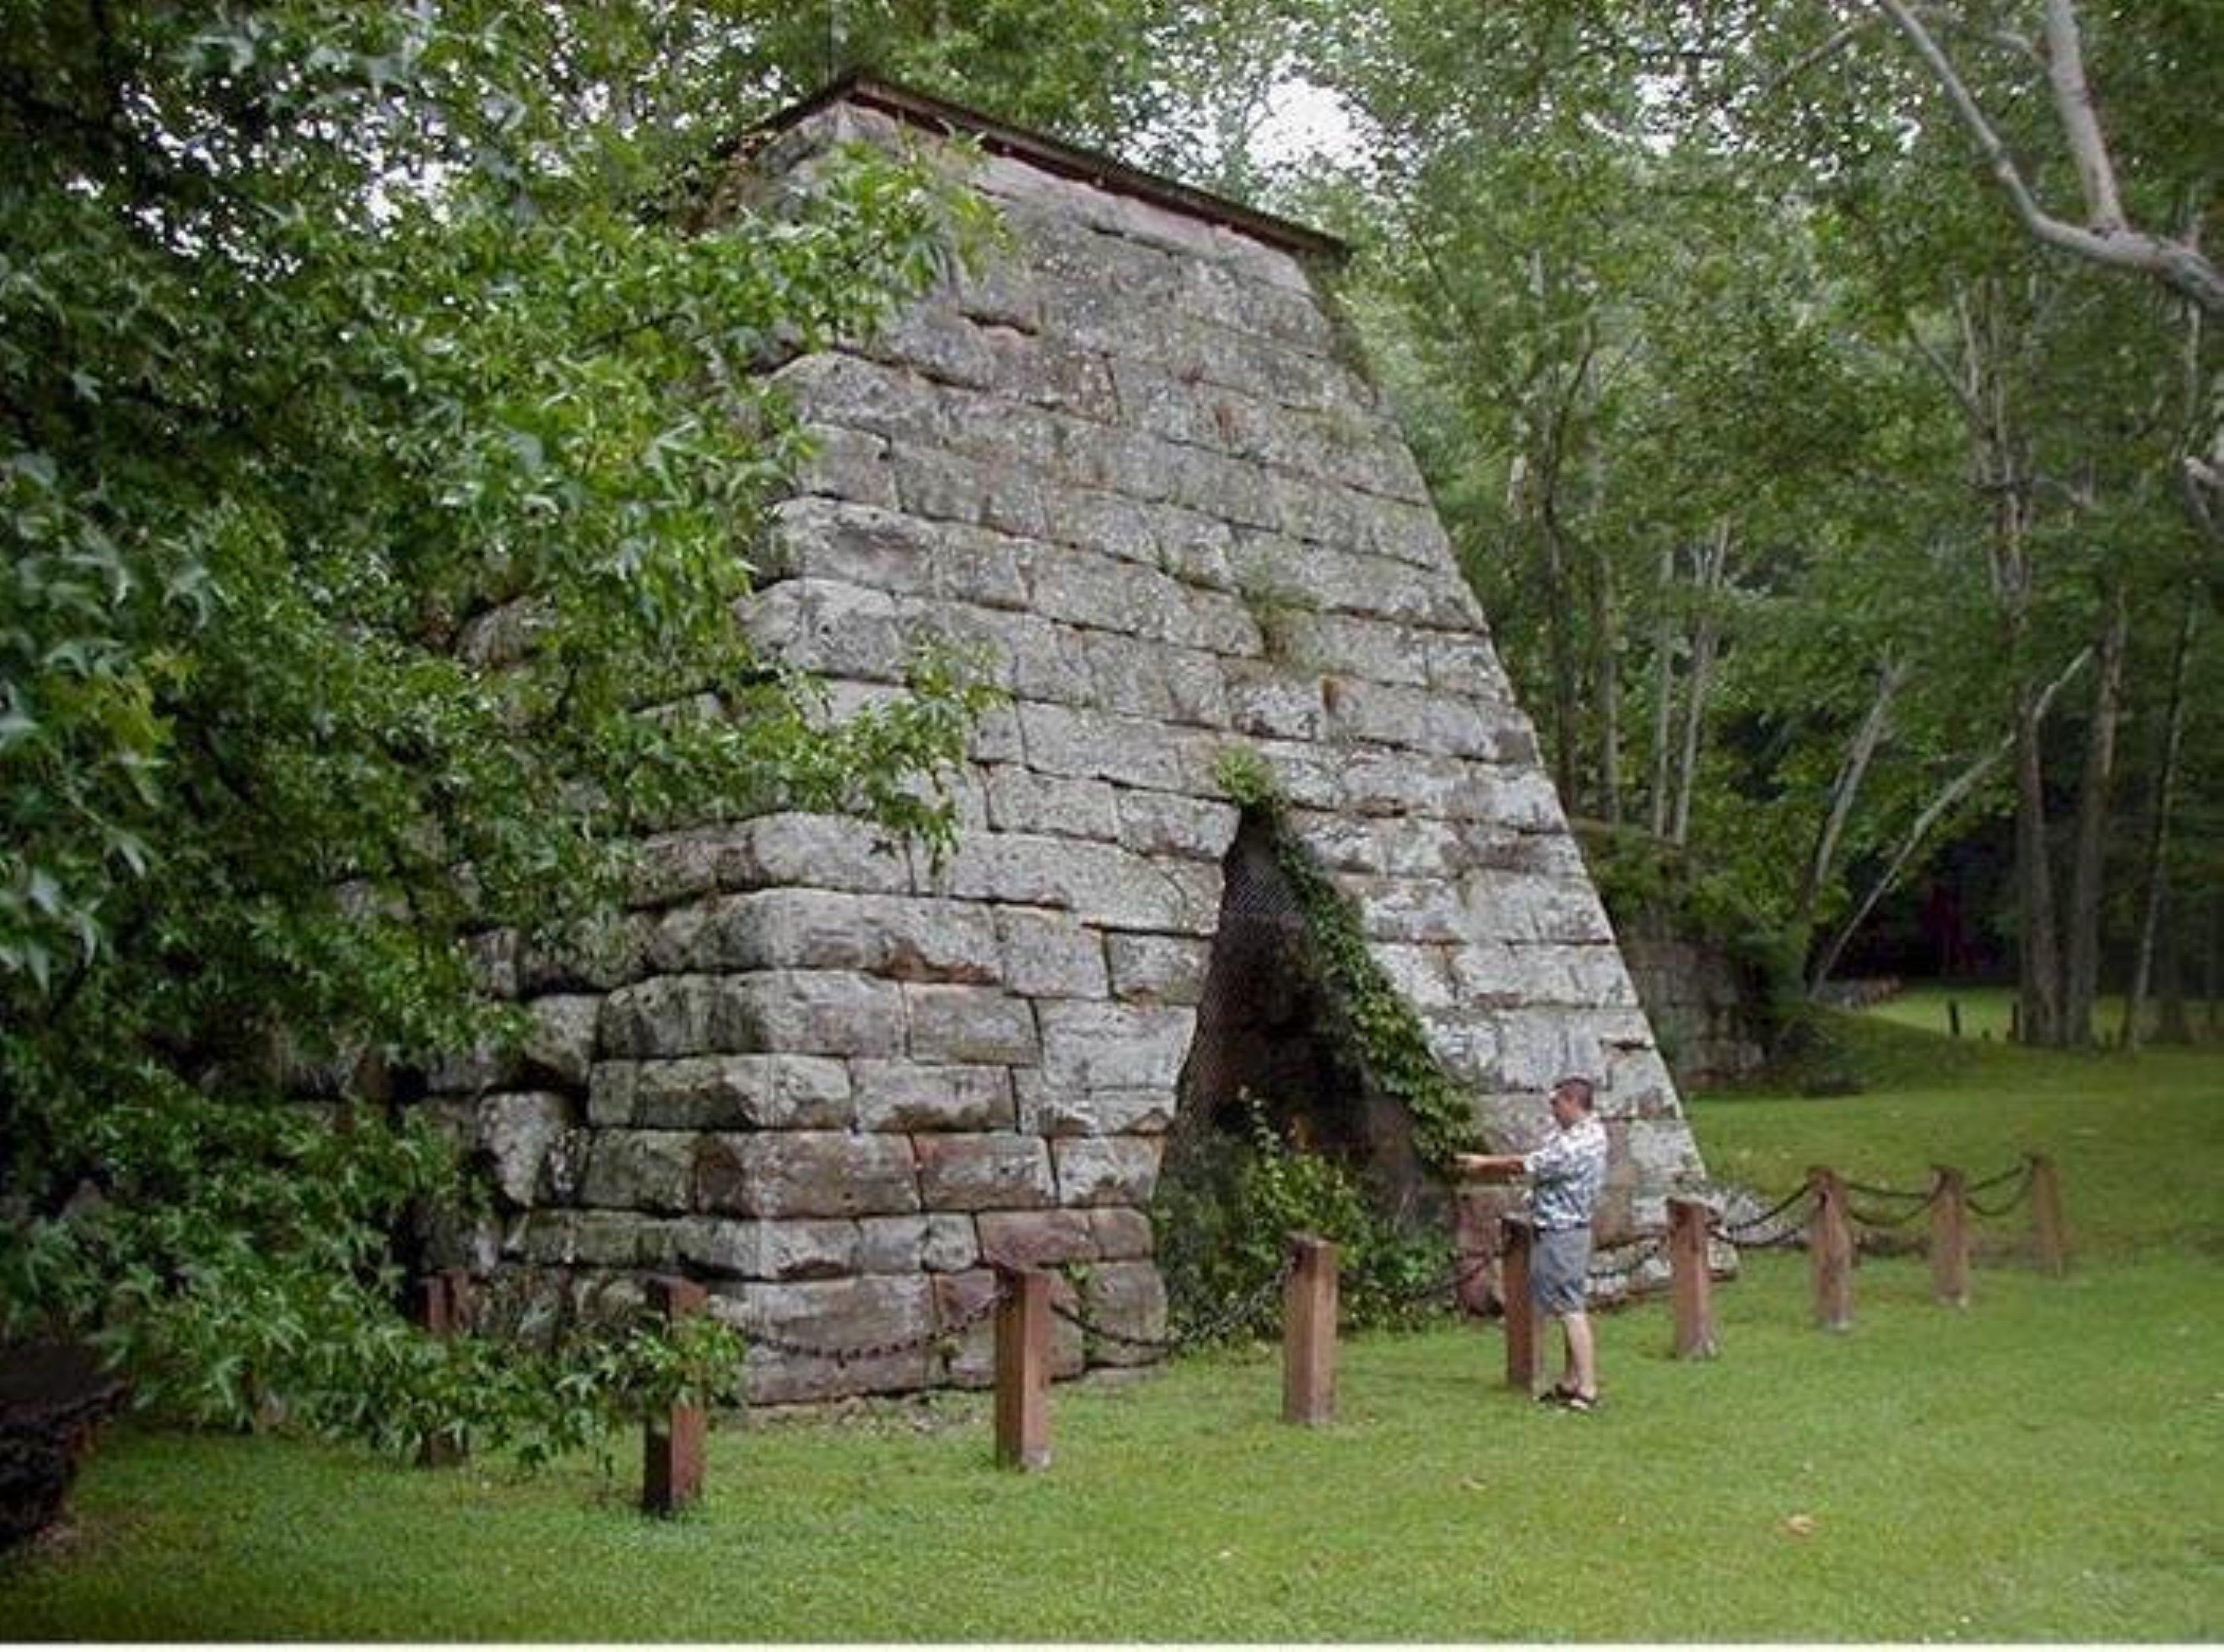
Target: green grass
x,y
1985,1011
2041,1466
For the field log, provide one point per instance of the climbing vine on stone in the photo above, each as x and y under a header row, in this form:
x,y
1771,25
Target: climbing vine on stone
x,y
1368,1014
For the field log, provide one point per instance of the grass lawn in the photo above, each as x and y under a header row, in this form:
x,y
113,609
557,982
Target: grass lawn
x,y
2043,1466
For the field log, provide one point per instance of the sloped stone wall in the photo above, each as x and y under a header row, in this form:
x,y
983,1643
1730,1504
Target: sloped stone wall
x,y
1130,463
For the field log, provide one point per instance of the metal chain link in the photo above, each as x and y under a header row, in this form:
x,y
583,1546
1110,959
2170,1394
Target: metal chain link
x,y
1656,1247
1736,1232
1863,1219
2001,1180
2022,1192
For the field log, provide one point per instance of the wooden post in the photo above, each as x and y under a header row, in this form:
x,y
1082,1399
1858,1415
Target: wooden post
x,y
1830,1251
1949,1237
1309,1332
2047,1225
444,1310
1514,1236
1023,1349
671,1445
1692,1280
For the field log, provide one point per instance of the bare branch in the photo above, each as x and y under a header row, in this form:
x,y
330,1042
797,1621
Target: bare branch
x,y
2177,264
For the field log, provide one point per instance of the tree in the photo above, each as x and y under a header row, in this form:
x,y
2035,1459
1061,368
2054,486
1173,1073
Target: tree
x,y
379,462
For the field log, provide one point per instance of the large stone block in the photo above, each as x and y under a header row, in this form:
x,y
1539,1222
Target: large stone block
x,y
756,1249
1128,1300
824,625
1424,720
1021,800
984,1172
909,938
1100,884
1048,954
1121,1235
515,1132
723,1092
559,1045
1163,823
818,1013
1037,1238
935,1242
908,1096
1137,678
1096,744
842,1323
1114,1046
1106,1169
820,851
970,1024
593,1239
1066,1110
639,1169
806,1173
1158,969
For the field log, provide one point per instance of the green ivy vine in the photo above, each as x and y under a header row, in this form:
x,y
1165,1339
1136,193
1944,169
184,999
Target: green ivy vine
x,y
1377,1024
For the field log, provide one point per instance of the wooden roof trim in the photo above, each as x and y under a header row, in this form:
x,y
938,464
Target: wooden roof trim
x,y
1066,161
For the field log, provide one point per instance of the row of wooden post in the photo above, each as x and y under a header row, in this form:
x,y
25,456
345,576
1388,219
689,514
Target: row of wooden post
x,y
671,1473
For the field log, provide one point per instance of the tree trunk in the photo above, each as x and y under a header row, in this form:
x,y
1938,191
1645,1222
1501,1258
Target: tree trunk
x,y
1955,790
2172,1025
1606,687
2038,983
1845,788
2081,981
1705,639
2157,845
1664,704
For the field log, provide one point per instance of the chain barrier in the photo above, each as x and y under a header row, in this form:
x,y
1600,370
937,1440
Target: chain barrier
x,y
1233,1315
2022,1192
2001,1180
1749,1231
1462,1273
1621,1273
1863,1219
858,1353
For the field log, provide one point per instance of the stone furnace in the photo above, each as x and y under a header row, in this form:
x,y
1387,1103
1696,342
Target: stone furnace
x,y
1133,463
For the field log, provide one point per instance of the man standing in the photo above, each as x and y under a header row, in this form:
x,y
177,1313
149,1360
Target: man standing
x,y
1564,1177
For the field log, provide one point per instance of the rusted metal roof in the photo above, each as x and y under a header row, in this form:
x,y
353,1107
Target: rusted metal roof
x,y
936,114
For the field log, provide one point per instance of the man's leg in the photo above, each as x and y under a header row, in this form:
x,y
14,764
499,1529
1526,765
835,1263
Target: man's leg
x,y
1582,1354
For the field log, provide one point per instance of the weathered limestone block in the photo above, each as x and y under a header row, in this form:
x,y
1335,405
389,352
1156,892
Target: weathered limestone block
x,y
865,546
593,957
1133,751
1137,678
560,1043
1129,1300
803,1012
1162,823
846,465
1089,1046
984,1172
517,1131
1264,699
821,851
755,1249
1048,954
1515,906
907,937
1121,1235
1306,775
806,1173
1422,975
1374,650
944,486
1158,969
1021,800
593,1239
1065,1110
723,1092
823,625
1414,911
933,1243
906,1096
1106,1169
1424,720
1036,1238
1100,884
970,1360
969,1024
827,1316
1384,846
639,1169
880,400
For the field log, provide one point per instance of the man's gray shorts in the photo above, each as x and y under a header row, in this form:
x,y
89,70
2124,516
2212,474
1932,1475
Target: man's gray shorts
x,y
1558,1260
